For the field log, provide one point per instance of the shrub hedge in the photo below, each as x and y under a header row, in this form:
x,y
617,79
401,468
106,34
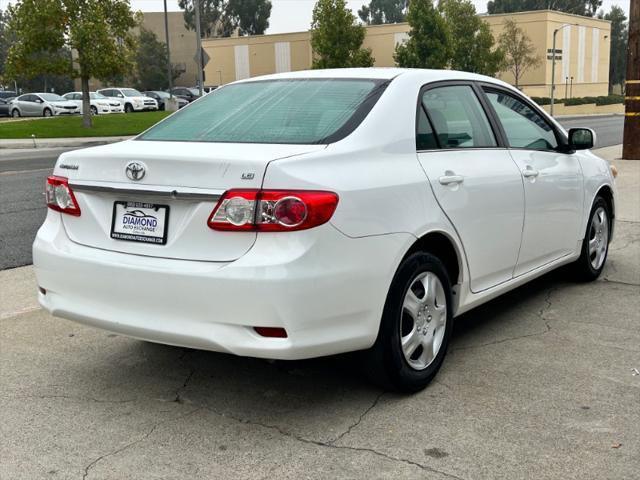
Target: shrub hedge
x,y
602,100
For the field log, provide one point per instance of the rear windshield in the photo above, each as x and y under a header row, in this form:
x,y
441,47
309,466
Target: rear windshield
x,y
307,111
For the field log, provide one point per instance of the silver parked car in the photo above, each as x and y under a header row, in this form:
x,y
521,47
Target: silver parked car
x,y
42,105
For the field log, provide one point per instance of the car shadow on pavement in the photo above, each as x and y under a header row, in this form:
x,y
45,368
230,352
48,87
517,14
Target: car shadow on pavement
x,y
202,376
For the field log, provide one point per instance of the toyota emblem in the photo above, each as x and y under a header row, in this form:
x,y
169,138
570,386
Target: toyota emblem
x,y
135,171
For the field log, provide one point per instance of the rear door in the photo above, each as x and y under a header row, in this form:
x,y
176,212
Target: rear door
x,y
28,105
552,181
474,179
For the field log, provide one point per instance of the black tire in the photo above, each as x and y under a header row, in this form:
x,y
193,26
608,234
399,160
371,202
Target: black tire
x,y
94,110
584,269
47,112
15,113
128,108
385,362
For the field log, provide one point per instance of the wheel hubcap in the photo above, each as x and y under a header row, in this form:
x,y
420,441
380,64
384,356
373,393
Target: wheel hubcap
x,y
598,238
424,319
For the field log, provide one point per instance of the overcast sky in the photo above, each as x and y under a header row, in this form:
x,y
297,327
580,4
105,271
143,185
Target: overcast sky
x,y
295,15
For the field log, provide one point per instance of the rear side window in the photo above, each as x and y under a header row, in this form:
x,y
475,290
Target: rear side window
x,y
523,126
457,117
304,111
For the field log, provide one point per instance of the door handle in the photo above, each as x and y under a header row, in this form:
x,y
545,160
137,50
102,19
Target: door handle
x,y
530,172
450,179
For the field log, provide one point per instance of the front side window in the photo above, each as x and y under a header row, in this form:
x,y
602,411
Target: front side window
x,y
295,111
523,126
458,118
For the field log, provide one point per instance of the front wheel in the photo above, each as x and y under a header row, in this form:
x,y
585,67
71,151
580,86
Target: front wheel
x,y
415,328
15,113
94,110
46,112
595,245
128,108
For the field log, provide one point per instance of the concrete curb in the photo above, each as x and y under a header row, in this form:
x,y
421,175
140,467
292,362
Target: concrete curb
x,y
59,142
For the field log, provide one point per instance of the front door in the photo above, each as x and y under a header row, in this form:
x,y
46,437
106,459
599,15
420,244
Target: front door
x,y
476,182
552,182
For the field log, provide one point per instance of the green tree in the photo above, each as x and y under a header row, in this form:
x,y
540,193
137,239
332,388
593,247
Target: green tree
x,y
379,12
250,17
5,43
520,53
577,7
221,18
336,37
152,63
473,45
429,44
100,31
618,52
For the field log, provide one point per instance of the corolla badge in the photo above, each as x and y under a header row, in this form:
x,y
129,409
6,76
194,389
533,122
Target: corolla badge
x,y
135,171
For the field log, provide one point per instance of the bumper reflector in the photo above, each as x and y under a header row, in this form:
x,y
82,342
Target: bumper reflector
x,y
271,332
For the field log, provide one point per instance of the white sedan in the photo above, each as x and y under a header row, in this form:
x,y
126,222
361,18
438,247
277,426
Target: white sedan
x,y
99,104
313,213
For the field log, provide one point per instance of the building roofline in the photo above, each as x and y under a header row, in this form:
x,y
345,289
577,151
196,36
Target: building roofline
x,y
555,12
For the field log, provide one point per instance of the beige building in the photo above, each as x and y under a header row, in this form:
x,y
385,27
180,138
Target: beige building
x,y
582,52
182,43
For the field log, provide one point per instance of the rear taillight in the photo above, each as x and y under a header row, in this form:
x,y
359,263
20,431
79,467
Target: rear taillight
x,y
60,197
272,210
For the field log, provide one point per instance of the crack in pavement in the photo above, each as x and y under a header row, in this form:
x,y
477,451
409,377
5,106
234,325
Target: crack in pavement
x,y
329,444
619,282
354,425
130,444
540,313
192,371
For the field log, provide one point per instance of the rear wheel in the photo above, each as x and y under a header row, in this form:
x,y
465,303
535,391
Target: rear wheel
x,y
15,113
128,108
46,112
415,328
595,246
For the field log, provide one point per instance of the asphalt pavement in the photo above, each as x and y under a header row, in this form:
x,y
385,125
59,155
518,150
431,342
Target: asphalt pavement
x,y
542,383
23,173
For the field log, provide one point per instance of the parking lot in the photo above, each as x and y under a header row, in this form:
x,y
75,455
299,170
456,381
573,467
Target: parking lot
x,y
542,383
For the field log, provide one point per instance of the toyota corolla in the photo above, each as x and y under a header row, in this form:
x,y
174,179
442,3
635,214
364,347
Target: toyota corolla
x,y
313,213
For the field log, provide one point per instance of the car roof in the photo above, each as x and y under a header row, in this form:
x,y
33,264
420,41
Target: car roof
x,y
378,73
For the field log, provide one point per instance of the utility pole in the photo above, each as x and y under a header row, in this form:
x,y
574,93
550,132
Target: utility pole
x,y
196,5
631,142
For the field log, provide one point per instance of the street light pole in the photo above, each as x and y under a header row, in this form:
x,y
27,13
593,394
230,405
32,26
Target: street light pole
x,y
166,39
196,5
553,70
553,64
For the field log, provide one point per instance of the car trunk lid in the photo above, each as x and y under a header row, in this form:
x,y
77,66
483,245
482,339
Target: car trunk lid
x,y
180,186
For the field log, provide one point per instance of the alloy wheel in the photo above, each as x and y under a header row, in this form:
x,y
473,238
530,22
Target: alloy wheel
x,y
424,319
598,238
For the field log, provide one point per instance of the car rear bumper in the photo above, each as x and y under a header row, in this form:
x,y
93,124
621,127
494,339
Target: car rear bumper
x,y
325,289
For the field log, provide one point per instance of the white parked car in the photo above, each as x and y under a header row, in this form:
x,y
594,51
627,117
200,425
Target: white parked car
x,y
41,105
130,99
312,213
99,104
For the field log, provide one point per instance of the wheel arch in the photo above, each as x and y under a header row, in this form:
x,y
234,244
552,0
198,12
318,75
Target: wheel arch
x,y
443,246
606,192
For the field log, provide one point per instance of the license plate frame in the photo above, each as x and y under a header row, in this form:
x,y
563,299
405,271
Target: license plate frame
x,y
141,221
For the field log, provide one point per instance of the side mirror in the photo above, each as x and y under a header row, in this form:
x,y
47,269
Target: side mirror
x,y
581,138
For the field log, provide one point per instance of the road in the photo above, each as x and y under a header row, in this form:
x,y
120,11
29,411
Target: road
x,y
23,173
